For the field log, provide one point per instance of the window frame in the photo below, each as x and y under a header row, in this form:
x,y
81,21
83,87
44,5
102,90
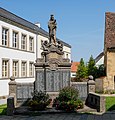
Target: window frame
x,y
22,41
32,44
31,72
5,37
8,67
22,75
16,41
16,61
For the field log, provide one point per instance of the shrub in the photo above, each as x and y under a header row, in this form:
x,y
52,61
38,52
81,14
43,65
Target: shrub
x,y
79,104
68,93
68,100
39,101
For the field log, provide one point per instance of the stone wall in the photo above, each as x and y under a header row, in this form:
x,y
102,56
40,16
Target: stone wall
x,y
110,69
24,92
99,84
109,50
20,91
82,88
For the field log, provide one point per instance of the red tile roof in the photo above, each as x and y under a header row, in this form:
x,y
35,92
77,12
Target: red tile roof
x,y
74,66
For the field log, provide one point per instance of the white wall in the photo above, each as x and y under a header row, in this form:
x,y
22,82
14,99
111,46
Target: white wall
x,y
13,54
100,62
73,74
67,50
39,39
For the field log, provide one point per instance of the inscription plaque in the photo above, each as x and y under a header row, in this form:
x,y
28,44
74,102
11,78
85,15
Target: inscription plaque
x,y
39,83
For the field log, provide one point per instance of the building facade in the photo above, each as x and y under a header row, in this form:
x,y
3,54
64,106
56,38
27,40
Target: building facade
x,y
109,51
20,46
99,60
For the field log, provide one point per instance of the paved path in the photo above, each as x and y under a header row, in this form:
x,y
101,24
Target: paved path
x,y
62,116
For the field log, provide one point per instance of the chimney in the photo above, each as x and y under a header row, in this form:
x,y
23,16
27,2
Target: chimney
x,y
37,24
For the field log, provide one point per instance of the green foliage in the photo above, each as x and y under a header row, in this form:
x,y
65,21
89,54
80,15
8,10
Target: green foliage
x,y
101,71
78,103
110,103
39,101
68,93
91,68
40,96
3,109
81,71
84,71
68,100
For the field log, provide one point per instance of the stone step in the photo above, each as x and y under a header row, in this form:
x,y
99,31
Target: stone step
x,y
24,110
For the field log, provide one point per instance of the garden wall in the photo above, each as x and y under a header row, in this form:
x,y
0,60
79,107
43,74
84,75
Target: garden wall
x,y
82,88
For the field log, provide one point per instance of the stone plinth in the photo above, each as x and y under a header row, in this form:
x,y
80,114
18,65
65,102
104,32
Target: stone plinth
x,y
53,71
12,89
91,85
10,106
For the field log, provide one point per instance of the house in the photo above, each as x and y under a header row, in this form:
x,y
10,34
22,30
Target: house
x,y
99,60
109,51
74,67
20,46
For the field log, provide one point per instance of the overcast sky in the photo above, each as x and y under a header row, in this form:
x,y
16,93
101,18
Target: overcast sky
x,y
80,23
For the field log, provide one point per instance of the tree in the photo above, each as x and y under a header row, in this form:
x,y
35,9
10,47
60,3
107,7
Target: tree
x,y
82,71
91,68
101,71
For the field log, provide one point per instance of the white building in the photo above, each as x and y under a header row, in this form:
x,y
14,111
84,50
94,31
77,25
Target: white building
x,y
99,60
20,45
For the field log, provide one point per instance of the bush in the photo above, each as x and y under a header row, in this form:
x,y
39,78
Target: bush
x,y
79,104
68,93
39,101
68,100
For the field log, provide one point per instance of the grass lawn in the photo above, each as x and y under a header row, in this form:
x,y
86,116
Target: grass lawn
x,y
3,109
110,103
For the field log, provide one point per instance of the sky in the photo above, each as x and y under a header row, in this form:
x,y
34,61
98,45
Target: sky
x,y
80,23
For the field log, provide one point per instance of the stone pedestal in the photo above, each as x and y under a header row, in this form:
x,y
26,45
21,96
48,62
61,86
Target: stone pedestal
x,y
10,106
12,88
52,71
90,85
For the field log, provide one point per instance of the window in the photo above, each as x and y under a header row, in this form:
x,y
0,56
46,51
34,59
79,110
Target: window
x,y
66,55
15,40
15,68
30,43
31,69
23,42
5,68
24,69
5,37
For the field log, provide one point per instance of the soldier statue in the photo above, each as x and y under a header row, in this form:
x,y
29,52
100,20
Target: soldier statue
x,y
52,25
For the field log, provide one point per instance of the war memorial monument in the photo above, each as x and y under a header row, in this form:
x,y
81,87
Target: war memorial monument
x,y
53,70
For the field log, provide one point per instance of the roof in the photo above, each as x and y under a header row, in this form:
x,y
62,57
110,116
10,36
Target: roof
x,y
99,57
10,16
74,66
109,30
